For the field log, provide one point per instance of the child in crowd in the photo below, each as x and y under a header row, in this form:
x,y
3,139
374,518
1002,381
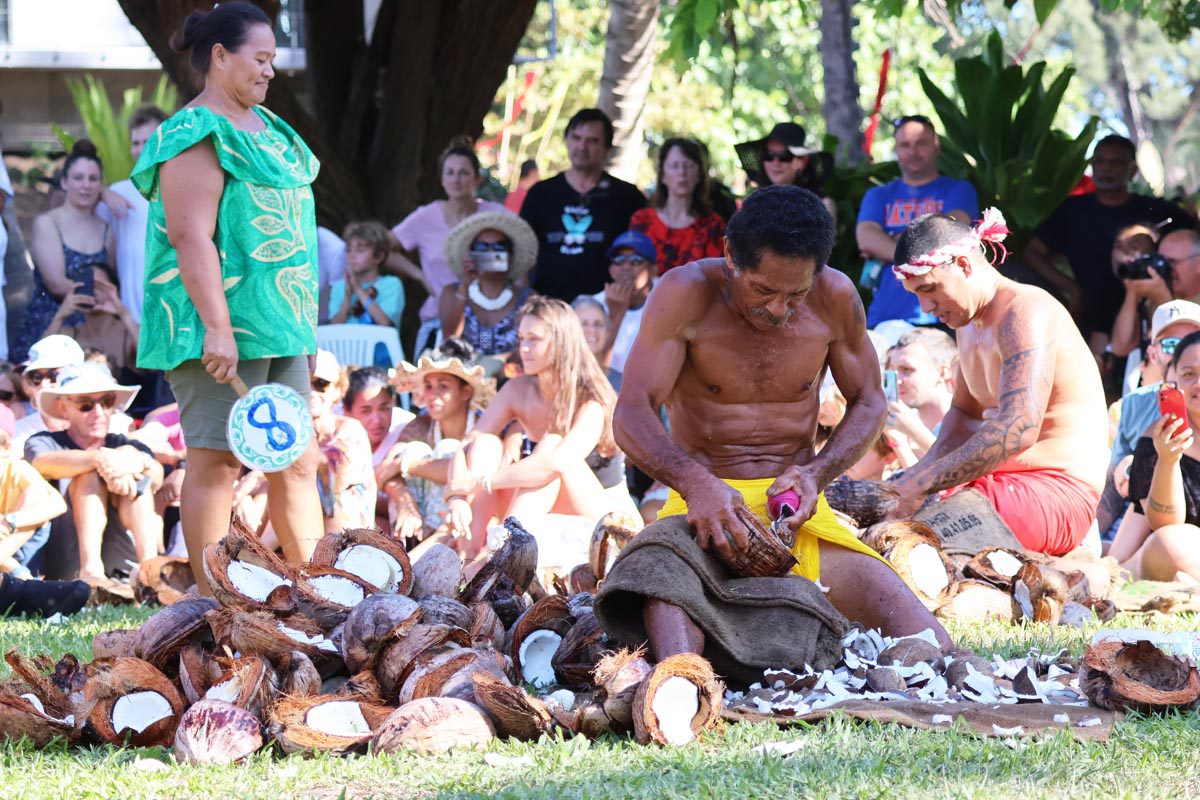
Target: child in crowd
x,y
363,296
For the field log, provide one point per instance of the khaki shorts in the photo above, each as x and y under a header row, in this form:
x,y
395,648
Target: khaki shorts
x,y
204,404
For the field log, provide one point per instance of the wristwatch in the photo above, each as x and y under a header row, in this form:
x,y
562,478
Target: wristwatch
x,y
10,522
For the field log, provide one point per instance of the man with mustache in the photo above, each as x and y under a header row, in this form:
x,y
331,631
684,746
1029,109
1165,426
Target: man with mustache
x,y
736,348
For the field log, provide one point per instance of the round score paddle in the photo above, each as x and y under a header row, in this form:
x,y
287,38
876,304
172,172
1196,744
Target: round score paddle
x,y
269,426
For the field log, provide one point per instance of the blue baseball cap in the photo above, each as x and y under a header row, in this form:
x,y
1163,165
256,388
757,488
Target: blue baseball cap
x,y
638,242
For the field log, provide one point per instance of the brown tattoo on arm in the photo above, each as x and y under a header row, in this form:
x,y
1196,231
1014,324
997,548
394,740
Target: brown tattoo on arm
x,y
1161,508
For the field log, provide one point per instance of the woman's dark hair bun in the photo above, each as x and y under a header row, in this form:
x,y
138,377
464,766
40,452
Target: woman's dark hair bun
x,y
462,140
85,148
226,24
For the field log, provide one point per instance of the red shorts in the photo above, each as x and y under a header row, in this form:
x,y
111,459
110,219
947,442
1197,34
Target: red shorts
x,y
1048,510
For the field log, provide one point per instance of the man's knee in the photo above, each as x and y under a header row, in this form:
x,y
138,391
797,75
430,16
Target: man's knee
x,y
87,484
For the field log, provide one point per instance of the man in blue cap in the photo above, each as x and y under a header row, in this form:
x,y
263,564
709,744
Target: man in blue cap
x,y
631,260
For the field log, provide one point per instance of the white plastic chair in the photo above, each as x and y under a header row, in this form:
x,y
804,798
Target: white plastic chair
x,y
355,344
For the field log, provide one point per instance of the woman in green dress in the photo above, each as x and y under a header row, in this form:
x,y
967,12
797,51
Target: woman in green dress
x,y
231,270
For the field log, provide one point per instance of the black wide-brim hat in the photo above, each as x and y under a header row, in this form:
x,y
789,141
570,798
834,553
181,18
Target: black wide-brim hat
x,y
792,136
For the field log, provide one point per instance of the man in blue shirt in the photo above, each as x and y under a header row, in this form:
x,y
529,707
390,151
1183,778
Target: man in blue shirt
x,y
887,209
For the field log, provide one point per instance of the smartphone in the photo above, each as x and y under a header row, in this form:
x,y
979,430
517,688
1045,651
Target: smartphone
x,y
889,385
88,279
1171,402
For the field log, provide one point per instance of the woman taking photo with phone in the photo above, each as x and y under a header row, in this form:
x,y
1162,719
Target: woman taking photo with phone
x,y
1159,538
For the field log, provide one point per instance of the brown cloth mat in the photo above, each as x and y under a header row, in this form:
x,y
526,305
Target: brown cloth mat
x,y
967,523
984,719
749,624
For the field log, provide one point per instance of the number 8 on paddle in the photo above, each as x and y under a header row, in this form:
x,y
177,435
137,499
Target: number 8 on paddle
x,y
269,426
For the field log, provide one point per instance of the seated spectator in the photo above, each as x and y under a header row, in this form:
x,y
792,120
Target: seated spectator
x,y
530,174
877,464
680,221
99,321
47,358
631,268
345,475
1159,537
10,397
371,400
104,475
563,403
331,267
593,318
782,159
363,296
488,253
27,501
925,361
453,393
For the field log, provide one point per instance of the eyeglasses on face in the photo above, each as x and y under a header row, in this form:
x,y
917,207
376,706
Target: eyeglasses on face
x,y
491,247
40,376
85,404
320,384
783,156
6,396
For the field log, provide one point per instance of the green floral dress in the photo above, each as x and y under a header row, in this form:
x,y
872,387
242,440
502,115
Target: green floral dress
x,y
266,236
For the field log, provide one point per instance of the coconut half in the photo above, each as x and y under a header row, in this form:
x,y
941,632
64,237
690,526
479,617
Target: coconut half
x,y
372,565
139,710
675,705
434,725
215,732
927,569
303,725
367,554
338,589
338,718
254,581
315,639
130,698
695,705
535,657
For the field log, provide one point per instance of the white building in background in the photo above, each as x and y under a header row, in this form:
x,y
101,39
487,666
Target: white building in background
x,y
42,42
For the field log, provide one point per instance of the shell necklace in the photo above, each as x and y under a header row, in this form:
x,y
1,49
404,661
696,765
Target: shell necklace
x,y
489,303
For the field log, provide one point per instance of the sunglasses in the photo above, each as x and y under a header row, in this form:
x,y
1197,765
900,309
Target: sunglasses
x,y
491,247
107,402
631,259
6,397
41,376
1169,344
320,384
921,118
784,156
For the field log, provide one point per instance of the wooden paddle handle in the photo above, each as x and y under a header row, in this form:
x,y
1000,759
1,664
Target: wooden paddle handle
x,y
239,386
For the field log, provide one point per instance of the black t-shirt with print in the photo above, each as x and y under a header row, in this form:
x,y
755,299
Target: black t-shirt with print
x,y
574,231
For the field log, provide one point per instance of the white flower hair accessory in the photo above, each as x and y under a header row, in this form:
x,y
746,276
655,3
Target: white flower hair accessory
x,y
988,234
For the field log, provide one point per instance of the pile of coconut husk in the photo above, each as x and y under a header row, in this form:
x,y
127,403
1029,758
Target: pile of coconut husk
x,y
358,649
997,583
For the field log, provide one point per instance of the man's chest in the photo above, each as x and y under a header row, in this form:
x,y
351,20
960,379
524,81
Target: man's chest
x,y
750,366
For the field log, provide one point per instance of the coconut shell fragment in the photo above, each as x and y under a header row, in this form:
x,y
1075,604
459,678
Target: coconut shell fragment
x,y
579,652
517,714
161,637
617,677
438,571
372,623
243,573
612,532
325,724
55,702
434,725
130,700
865,502
680,715
216,732
439,609
114,643
1041,592
1138,677
765,555
997,566
976,601
516,561
327,594
377,559
163,579
399,657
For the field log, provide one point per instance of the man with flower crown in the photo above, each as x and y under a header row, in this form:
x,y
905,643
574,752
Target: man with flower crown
x,y
1027,424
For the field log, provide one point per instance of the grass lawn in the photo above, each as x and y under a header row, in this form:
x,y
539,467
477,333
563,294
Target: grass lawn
x,y
1145,757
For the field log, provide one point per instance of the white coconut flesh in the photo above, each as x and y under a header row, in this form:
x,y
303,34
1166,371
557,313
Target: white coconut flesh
x,y
1021,595
676,703
338,718
253,581
371,564
227,690
535,654
337,589
927,570
36,703
1005,563
563,698
320,641
137,711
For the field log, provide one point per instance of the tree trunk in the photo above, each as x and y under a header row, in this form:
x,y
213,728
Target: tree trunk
x,y
1120,88
384,111
625,82
843,113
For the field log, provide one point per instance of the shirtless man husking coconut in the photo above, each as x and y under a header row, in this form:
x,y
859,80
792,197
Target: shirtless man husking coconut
x,y
736,348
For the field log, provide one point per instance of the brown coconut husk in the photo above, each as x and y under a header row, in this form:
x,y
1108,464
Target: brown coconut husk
x,y
161,637
193,674
249,682
298,676
374,622
1041,592
582,579
117,677
56,702
248,549
326,612
259,633
332,544
765,556
981,568
1138,677
579,652
581,603
439,609
516,560
399,656
925,587
486,626
289,726
612,532
883,536
362,686
976,601
549,613
21,719
434,725
517,714
692,668
617,677
437,572
216,732
866,502
1103,609
114,643
462,683
163,579
433,668
504,600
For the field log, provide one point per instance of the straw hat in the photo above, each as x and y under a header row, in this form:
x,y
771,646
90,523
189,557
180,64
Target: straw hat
x,y
84,379
409,377
524,241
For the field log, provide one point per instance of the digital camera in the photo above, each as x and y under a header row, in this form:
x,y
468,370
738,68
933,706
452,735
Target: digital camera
x,y
1139,268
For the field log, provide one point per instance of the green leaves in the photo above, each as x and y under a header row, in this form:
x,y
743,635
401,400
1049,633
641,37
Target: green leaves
x,y
692,22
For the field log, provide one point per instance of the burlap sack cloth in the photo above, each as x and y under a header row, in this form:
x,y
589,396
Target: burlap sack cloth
x,y
749,624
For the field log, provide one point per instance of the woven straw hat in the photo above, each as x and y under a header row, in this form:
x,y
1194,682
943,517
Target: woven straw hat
x,y
409,378
524,241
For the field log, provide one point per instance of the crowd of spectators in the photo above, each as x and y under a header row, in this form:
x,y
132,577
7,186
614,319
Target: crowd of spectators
x,y
529,311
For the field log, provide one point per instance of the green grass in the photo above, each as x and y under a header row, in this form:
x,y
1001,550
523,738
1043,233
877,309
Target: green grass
x,y
1144,758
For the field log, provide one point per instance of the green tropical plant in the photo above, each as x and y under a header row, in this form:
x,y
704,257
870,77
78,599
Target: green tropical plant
x,y
108,128
999,134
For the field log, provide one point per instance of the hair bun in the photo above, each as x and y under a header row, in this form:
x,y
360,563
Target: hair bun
x,y
84,147
462,140
185,38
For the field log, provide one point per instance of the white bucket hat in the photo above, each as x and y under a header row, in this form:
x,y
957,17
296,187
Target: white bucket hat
x,y
83,379
54,352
